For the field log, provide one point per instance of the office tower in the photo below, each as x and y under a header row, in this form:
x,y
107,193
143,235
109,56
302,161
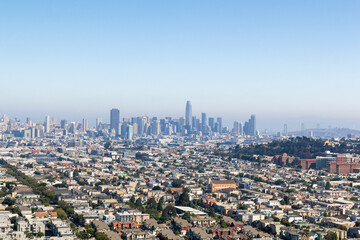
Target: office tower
x,y
236,128
163,123
155,127
47,124
84,124
168,129
122,130
72,128
129,132
114,119
198,125
177,126
98,122
203,122
188,116
216,127
211,123
53,120
193,122
219,121
246,128
141,123
241,129
135,128
251,127
285,129
63,124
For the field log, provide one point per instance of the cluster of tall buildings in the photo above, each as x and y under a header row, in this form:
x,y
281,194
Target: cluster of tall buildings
x,y
140,126
127,128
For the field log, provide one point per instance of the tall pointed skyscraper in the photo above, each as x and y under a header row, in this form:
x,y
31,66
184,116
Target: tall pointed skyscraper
x,y
188,115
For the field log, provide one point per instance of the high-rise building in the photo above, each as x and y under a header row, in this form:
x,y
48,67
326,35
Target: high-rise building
x,y
252,125
72,128
141,125
155,127
211,123
219,121
135,128
47,124
193,122
236,128
203,122
63,124
84,124
114,119
98,122
246,128
188,115
241,129
129,132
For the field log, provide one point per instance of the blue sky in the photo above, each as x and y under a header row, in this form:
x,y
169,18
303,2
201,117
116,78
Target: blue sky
x,y
285,61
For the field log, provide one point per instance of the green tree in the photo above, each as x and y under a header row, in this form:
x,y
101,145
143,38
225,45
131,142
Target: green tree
x,y
9,201
90,231
160,205
168,213
79,219
29,235
138,203
83,235
15,210
73,227
331,236
184,199
61,213
151,203
187,216
101,236
176,183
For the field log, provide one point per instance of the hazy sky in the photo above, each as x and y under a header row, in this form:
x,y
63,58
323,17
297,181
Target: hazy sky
x,y
285,61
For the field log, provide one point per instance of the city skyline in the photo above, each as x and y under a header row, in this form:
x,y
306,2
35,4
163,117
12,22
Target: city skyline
x,y
114,119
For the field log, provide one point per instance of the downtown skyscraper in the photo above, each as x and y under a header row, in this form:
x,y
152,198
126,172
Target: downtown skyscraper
x,y
188,116
114,119
250,126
